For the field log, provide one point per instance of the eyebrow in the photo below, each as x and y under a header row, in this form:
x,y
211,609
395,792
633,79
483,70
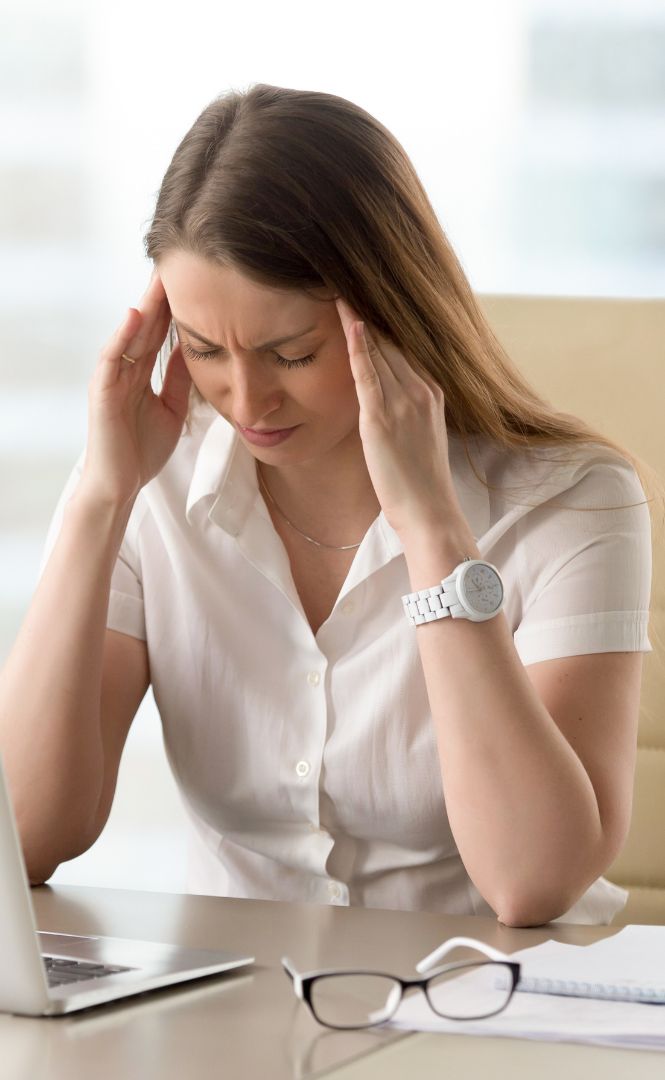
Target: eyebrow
x,y
255,348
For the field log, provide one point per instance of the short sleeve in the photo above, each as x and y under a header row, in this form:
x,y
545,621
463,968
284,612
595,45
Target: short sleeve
x,y
125,612
585,568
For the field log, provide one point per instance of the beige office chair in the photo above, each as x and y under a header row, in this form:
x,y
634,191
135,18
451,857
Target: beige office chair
x,y
604,360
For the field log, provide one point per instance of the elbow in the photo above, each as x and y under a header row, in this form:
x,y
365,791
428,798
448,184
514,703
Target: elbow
x,y
524,914
43,853
39,863
39,876
534,907
543,894
42,865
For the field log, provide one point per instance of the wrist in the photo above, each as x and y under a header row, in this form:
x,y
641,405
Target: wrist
x,y
96,510
432,555
473,590
435,525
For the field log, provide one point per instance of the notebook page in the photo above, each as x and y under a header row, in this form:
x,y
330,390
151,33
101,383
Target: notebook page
x,y
628,966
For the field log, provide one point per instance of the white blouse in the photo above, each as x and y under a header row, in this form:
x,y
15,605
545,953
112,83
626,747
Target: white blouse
x,y
307,762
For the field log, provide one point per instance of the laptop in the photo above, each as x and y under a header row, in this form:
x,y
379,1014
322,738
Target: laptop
x,y
49,974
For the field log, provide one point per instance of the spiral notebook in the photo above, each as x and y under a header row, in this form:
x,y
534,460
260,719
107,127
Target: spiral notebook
x,y
628,966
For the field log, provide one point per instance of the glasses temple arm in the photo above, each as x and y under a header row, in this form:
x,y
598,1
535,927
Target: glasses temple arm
x,y
433,958
294,975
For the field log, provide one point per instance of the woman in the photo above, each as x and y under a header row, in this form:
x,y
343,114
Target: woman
x,y
337,429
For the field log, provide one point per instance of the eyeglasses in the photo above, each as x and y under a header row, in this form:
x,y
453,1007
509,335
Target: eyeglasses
x,y
467,990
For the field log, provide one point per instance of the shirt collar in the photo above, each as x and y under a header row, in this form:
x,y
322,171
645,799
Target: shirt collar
x,y
224,480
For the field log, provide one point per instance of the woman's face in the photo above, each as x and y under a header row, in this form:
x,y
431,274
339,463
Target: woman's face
x,y
273,362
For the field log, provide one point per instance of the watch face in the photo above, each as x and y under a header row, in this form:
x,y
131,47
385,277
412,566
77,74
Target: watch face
x,y
480,589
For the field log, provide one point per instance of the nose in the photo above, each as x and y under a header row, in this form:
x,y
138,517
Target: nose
x,y
251,396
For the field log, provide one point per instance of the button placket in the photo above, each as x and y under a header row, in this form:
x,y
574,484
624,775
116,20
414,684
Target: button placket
x,y
303,739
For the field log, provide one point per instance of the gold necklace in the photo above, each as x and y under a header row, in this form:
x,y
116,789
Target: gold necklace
x,y
319,543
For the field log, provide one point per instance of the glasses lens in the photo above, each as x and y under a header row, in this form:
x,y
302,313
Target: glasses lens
x,y
354,1000
470,991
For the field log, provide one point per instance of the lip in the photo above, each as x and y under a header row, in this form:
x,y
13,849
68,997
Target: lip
x,y
266,438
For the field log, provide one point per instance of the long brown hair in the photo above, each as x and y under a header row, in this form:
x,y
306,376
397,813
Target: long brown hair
x,y
303,189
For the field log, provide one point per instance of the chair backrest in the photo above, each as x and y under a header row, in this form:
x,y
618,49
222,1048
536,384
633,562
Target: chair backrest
x,y
604,360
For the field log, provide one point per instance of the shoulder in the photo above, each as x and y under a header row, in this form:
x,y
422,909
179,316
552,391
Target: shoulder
x,y
537,492
587,475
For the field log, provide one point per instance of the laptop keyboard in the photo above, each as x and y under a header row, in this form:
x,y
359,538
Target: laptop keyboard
x,y
60,971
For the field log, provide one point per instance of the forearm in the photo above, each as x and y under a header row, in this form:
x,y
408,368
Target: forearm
x,y
50,686
520,803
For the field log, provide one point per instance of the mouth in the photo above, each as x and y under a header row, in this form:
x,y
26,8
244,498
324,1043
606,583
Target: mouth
x,y
266,436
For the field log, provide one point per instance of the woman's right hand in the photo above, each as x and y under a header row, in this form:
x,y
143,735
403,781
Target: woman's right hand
x,y
132,431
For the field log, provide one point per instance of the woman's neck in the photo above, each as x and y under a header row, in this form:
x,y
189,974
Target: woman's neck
x,y
330,498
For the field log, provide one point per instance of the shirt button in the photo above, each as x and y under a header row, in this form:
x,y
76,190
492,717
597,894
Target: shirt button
x,y
348,607
334,890
313,678
302,768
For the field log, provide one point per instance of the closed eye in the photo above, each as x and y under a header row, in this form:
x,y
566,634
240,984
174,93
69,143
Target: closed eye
x,y
194,354
283,361
300,362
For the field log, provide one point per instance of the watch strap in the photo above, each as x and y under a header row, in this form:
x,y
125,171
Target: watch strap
x,y
427,605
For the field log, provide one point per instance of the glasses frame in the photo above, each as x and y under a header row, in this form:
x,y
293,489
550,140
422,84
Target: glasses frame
x,y
303,982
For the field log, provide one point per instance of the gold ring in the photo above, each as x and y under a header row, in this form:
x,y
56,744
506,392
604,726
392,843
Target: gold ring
x,y
127,358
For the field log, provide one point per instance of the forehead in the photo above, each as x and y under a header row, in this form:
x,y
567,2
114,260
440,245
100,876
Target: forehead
x,y
222,303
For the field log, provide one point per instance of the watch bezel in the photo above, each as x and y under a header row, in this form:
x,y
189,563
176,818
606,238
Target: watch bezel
x,y
474,614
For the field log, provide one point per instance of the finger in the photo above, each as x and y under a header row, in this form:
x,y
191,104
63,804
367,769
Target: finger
x,y
380,350
365,375
155,316
348,317
160,330
156,309
429,380
108,368
120,339
347,314
386,357
177,384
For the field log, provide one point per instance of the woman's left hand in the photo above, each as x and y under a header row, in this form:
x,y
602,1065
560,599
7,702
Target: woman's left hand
x,y
403,431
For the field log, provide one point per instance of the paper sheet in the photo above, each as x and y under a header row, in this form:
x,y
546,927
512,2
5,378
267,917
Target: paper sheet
x,y
636,953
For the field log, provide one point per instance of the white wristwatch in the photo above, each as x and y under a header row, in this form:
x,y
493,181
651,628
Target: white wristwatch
x,y
473,591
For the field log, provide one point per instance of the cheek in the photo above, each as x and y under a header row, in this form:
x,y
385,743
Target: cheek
x,y
341,384
335,396
204,376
